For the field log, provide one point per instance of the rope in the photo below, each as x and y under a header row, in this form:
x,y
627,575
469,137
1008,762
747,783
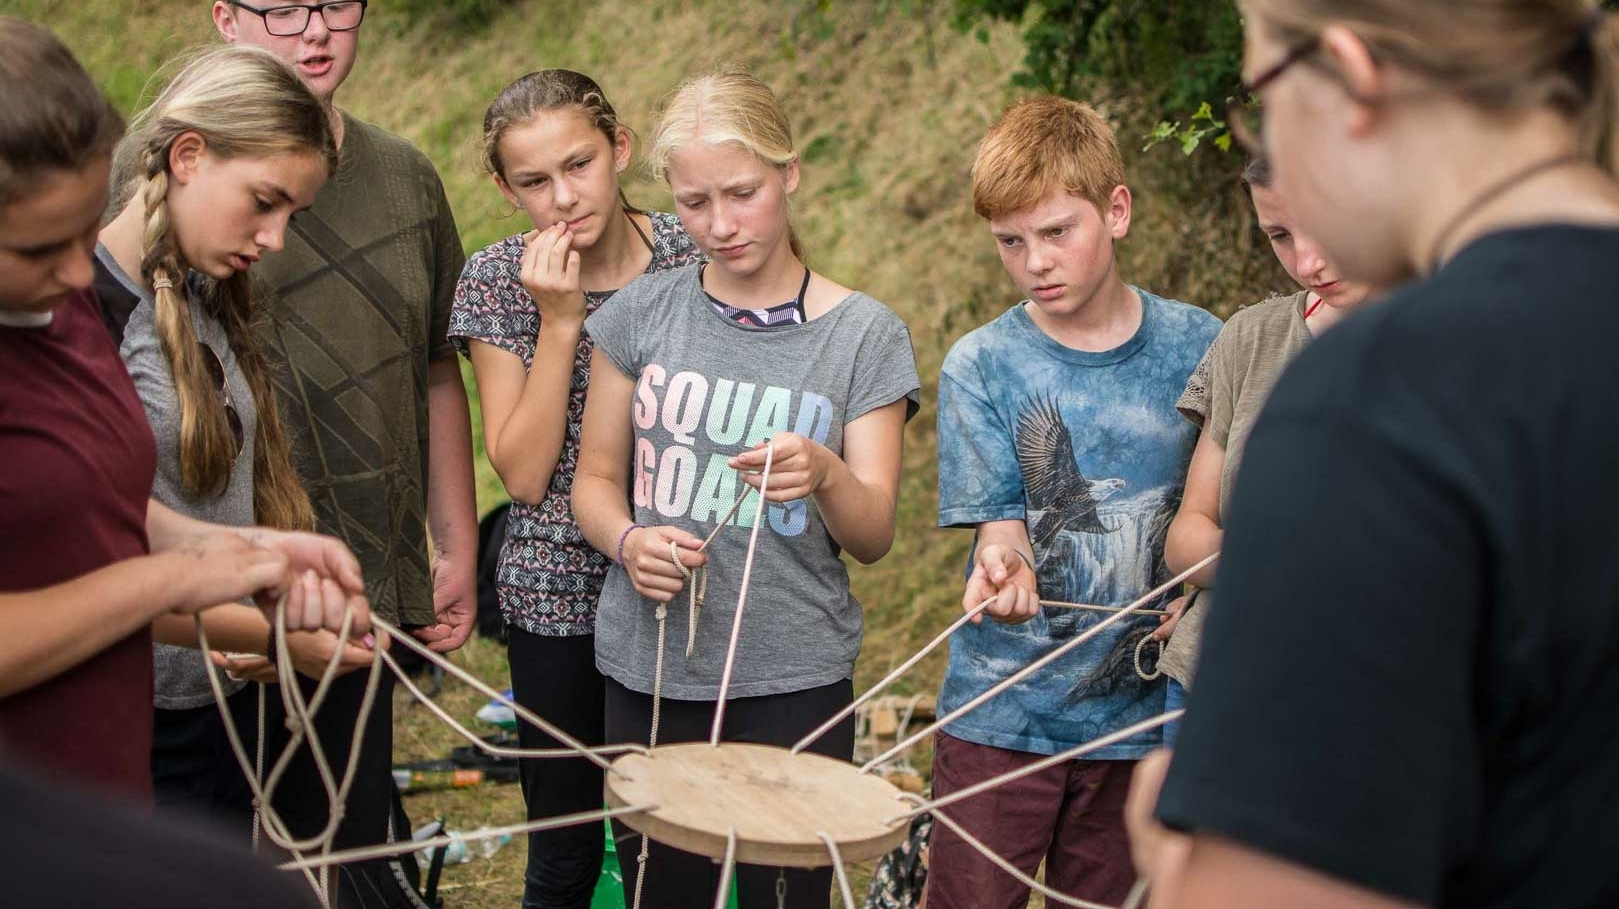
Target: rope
x,y
838,870
498,750
652,742
887,680
697,592
299,722
1039,664
741,599
301,712
727,867
1157,666
1058,604
387,850
258,762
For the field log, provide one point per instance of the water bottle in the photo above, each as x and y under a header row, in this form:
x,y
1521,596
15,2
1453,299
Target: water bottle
x,y
464,847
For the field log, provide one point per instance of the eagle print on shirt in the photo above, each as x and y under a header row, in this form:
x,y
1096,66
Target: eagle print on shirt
x,y
1052,479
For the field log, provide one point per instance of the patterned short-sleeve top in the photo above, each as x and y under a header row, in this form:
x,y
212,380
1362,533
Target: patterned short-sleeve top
x,y
548,578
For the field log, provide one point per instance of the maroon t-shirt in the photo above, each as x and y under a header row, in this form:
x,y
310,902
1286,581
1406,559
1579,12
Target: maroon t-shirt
x,y
76,465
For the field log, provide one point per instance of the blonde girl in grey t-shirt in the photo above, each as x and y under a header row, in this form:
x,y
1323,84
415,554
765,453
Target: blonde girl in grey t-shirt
x,y
696,371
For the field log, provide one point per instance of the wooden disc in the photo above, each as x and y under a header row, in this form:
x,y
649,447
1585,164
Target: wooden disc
x,y
779,803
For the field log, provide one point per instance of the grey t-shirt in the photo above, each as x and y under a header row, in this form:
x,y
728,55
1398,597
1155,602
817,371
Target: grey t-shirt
x,y
180,678
708,388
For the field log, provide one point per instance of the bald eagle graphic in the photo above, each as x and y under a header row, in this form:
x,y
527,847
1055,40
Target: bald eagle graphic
x,y
1051,478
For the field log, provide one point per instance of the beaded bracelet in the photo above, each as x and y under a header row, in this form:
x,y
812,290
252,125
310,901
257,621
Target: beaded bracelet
x,y
624,536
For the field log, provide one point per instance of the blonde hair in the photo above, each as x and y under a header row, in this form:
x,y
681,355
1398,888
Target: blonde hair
x,y
244,102
1041,145
726,106
1501,55
53,117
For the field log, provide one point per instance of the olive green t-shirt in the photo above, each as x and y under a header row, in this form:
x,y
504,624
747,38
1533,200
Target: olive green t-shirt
x,y
349,314
1224,397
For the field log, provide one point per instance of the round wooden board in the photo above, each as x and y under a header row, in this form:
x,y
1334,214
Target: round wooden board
x,y
779,803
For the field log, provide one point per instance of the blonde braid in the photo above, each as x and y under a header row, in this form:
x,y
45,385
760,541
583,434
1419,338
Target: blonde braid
x,y
279,497
207,449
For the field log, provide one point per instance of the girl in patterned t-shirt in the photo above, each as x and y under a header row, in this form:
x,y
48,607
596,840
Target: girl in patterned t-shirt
x,y
555,148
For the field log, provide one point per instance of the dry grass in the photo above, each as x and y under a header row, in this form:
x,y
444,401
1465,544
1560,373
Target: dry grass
x,y
887,111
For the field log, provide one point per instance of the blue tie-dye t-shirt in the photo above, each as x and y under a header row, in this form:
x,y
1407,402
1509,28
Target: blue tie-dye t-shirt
x,y
1087,448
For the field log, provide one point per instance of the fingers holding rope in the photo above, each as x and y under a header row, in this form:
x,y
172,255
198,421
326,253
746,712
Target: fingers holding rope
x,y
659,559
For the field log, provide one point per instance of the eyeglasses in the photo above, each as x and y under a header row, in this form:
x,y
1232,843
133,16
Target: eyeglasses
x,y
285,21
216,372
1246,114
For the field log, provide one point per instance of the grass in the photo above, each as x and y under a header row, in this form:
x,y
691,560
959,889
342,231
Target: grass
x,y
887,109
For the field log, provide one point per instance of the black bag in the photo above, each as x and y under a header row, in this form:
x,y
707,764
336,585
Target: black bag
x,y
391,883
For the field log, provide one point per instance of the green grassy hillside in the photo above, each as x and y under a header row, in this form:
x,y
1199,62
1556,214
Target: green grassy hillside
x,y
887,110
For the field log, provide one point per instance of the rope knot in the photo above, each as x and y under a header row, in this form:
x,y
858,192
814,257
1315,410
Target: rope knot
x,y
697,595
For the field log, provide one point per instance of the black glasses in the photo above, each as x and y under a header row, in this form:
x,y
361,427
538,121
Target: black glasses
x,y
1245,116
216,372
285,21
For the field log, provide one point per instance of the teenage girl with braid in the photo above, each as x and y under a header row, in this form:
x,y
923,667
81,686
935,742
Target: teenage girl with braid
x,y
555,149
696,371
229,151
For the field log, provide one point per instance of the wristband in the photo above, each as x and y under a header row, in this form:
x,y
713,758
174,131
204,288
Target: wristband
x,y
269,646
624,536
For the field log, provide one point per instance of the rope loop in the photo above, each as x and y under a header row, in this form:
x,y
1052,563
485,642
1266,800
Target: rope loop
x,y
1157,669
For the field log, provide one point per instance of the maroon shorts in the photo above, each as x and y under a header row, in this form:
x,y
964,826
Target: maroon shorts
x,y
1071,816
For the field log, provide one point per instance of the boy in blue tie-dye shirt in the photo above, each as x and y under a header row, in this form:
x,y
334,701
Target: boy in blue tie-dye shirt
x,y
1060,445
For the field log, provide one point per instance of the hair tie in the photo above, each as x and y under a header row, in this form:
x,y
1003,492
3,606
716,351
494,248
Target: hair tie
x,y
162,284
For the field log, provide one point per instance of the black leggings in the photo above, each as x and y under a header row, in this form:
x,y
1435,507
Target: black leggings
x,y
681,880
556,677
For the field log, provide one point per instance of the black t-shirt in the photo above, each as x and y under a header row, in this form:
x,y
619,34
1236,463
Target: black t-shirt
x,y
1412,683
68,850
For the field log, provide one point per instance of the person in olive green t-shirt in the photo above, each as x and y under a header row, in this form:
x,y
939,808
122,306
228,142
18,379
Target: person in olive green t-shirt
x,y
353,314
1224,396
